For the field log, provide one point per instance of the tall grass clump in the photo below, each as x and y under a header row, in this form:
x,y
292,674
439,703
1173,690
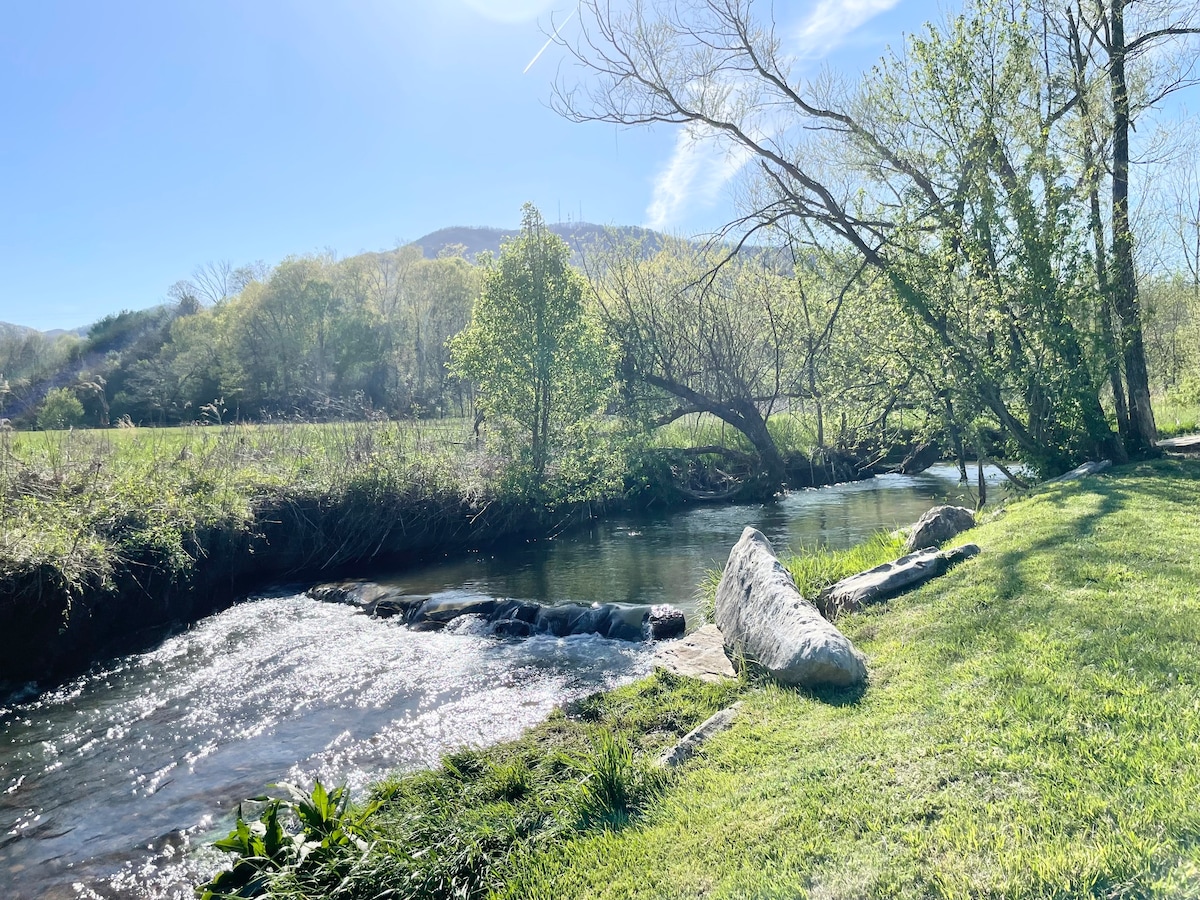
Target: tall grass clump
x,y
615,784
817,568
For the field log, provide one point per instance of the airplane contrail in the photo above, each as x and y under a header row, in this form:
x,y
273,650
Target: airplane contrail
x,y
538,55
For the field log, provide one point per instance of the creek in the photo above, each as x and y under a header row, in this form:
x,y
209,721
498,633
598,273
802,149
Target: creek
x,y
114,783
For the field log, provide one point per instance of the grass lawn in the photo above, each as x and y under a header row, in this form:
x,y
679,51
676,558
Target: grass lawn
x,y
1031,729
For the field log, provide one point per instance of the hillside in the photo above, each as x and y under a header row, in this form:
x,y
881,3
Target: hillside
x,y
578,235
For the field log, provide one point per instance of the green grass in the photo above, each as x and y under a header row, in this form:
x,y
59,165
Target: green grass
x,y
79,503
793,433
1029,730
1175,418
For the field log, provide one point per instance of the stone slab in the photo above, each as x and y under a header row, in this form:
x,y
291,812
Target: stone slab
x,y
699,655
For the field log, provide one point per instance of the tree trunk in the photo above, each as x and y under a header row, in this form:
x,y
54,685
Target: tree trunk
x,y
1142,431
742,414
754,426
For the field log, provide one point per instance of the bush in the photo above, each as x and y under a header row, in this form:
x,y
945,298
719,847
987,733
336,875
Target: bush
x,y
60,409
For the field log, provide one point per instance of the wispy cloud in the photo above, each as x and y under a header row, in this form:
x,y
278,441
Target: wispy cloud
x,y
831,22
701,163
699,167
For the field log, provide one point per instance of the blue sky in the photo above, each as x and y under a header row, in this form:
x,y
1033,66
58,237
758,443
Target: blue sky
x,y
141,139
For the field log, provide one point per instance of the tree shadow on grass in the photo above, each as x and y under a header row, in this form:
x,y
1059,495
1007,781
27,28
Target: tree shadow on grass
x,y
830,695
1067,548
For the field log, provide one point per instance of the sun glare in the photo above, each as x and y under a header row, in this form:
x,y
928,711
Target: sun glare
x,y
511,10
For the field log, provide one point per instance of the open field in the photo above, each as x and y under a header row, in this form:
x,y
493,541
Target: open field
x,y
81,500
1029,730
1176,418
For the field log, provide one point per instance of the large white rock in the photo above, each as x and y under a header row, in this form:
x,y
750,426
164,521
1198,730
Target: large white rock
x,y
766,622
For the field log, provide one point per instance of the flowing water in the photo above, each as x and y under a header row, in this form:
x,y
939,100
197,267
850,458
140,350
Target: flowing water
x,y
114,783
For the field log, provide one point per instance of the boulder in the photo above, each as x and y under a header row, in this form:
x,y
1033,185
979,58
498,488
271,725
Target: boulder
x,y
699,655
939,525
766,622
664,622
691,742
887,580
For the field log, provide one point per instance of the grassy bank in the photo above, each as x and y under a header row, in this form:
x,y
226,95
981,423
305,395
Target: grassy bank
x,y
1029,730
103,532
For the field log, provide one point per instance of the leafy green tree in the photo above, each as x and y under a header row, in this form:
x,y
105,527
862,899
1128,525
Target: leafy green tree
x,y
60,409
541,363
944,173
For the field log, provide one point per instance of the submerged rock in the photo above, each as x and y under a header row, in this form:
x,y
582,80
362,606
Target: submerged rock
x,y
665,622
939,525
887,580
699,655
508,618
765,621
363,594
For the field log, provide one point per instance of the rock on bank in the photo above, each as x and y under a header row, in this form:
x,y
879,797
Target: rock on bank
x,y
765,621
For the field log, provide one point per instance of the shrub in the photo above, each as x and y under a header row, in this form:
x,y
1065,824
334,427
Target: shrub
x,y
60,409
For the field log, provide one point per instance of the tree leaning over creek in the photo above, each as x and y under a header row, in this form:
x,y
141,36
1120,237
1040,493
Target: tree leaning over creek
x,y
951,171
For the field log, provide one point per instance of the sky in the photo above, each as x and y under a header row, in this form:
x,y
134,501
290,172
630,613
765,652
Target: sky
x,y
139,140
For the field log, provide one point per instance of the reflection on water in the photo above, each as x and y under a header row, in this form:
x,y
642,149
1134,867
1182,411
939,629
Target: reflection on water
x,y
110,783
661,558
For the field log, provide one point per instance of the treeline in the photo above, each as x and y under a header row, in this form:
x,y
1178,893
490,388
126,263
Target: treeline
x,y
797,337
943,251
314,337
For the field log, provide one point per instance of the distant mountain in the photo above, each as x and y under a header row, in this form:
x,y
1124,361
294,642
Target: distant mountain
x,y
578,235
8,329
